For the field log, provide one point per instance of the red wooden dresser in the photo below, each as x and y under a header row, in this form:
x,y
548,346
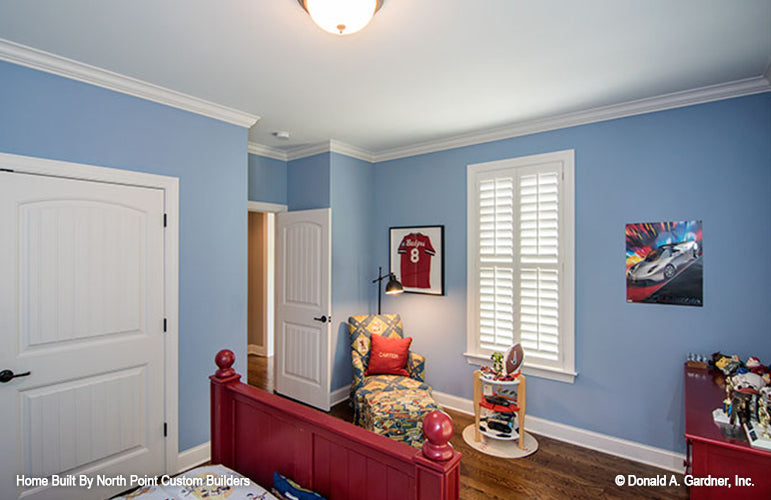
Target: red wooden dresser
x,y
710,453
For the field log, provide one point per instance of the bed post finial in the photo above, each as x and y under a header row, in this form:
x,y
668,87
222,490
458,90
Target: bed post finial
x,y
438,428
225,359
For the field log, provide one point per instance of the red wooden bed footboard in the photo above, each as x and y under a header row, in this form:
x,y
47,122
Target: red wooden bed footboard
x,y
256,433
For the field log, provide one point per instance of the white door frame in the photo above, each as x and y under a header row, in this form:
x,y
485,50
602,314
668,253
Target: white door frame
x,y
170,187
272,209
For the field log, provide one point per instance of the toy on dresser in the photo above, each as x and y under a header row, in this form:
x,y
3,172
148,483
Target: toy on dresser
x,y
748,397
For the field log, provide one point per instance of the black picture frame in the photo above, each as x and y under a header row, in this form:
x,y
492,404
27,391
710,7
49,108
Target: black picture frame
x,y
416,258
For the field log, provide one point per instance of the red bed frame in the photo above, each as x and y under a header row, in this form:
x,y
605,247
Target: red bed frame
x,y
256,433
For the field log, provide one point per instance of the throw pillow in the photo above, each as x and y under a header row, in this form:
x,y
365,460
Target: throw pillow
x,y
388,356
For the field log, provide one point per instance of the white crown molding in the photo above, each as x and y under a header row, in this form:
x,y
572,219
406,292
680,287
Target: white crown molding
x,y
351,150
299,152
331,146
674,100
701,95
604,443
266,151
75,70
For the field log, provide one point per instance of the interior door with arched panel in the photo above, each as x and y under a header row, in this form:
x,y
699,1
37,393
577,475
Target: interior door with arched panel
x,y
81,325
303,305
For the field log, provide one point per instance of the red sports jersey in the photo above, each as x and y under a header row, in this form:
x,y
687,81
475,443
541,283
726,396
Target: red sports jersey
x,y
416,250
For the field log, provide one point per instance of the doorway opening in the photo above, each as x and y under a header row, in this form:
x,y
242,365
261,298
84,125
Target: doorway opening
x,y
261,289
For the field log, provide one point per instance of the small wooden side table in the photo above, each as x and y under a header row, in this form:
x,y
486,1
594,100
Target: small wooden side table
x,y
520,383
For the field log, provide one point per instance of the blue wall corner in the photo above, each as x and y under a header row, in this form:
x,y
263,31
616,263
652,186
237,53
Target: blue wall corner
x,y
353,267
267,180
308,182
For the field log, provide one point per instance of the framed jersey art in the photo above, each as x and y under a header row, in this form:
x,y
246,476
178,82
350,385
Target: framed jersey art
x,y
417,258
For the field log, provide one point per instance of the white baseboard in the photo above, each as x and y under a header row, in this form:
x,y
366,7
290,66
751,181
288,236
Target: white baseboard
x,y
339,395
461,405
256,349
194,456
611,445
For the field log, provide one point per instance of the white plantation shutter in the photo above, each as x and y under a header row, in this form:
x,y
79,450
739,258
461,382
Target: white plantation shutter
x,y
539,275
496,257
520,259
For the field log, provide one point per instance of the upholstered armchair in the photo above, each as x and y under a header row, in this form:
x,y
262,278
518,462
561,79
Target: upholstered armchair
x,y
386,325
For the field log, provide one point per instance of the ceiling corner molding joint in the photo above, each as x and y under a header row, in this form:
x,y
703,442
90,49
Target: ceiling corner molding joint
x,y
267,151
331,146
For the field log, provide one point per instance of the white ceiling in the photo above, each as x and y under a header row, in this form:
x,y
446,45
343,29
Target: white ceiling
x,y
423,70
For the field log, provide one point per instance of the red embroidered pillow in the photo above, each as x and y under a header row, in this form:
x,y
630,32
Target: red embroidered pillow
x,y
388,356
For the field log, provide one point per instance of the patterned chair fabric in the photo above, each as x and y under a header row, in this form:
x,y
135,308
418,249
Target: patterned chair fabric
x,y
376,384
386,325
398,414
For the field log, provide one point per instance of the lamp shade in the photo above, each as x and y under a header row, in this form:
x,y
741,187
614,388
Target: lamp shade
x,y
341,17
393,286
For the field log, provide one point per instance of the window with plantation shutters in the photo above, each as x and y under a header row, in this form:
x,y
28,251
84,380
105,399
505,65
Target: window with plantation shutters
x,y
520,261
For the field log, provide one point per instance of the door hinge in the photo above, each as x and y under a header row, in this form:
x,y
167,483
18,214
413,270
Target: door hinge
x,y
165,221
165,429
164,324
6,170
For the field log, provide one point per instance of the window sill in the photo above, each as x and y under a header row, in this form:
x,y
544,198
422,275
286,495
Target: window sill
x,y
529,369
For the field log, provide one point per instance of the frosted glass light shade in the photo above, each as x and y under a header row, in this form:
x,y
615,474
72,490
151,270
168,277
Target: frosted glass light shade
x,y
341,17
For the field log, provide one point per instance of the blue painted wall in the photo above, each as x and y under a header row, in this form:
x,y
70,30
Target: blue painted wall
x,y
308,181
52,117
710,162
353,267
267,180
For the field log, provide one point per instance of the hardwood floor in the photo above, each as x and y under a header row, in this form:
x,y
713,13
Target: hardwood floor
x,y
557,470
261,372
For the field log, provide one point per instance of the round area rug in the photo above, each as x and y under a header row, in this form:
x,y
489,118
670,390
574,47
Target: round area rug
x,y
499,448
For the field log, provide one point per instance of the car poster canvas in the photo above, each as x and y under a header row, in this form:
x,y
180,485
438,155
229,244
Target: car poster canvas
x,y
664,263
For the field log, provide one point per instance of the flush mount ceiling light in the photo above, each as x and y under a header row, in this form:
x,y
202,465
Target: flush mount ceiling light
x,y
341,17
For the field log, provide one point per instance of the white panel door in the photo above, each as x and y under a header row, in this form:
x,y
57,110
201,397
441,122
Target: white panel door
x,y
81,310
303,321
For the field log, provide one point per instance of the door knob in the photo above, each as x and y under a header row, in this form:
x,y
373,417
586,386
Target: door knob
x,y
7,375
323,319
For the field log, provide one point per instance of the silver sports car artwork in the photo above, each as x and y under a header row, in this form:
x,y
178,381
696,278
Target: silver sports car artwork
x,y
663,262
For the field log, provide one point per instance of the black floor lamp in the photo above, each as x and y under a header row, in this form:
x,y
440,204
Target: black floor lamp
x,y
393,286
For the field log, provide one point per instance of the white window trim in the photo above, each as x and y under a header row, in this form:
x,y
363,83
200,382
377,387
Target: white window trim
x,y
473,354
